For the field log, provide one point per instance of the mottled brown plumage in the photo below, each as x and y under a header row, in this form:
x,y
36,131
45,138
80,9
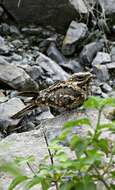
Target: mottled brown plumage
x,y
66,94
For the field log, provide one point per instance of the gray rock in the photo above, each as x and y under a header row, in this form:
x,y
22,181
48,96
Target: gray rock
x,y
101,72
72,66
3,47
101,58
75,34
80,6
33,143
54,13
106,88
15,77
7,109
43,114
34,71
104,95
111,69
52,69
96,90
16,57
113,54
111,66
4,28
89,52
17,43
14,30
55,54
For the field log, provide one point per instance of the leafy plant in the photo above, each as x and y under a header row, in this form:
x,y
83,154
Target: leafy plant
x,y
76,162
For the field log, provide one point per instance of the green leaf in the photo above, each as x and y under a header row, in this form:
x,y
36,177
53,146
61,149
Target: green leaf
x,y
45,184
103,145
112,187
17,181
98,103
66,186
24,160
109,101
93,102
113,174
11,168
85,185
106,126
64,134
38,180
79,122
78,144
35,181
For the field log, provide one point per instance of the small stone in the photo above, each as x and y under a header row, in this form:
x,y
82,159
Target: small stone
x,y
106,88
34,71
89,52
55,54
73,66
104,95
3,47
17,43
75,33
111,66
113,54
101,58
14,30
101,72
96,90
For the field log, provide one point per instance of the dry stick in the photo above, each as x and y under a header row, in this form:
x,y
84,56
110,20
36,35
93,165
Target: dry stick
x,y
50,155
19,2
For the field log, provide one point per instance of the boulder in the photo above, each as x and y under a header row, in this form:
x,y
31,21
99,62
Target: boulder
x,y
14,77
75,34
89,52
101,72
46,12
33,143
51,68
101,58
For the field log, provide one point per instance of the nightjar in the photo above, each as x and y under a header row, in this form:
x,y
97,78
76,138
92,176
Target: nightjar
x,y
67,94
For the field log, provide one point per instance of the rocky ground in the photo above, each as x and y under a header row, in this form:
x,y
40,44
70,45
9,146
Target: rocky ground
x,y
35,57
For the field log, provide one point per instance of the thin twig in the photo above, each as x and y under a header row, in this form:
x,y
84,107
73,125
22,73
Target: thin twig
x,y
19,2
32,170
50,156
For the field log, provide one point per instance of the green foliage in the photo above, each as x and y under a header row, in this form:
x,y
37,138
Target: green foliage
x,y
81,163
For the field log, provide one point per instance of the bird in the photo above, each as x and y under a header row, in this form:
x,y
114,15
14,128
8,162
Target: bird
x,y
67,94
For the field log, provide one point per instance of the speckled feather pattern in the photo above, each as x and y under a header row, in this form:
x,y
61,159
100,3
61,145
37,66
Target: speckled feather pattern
x,y
66,94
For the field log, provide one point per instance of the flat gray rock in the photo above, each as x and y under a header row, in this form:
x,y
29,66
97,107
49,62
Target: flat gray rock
x,y
33,143
8,109
51,68
101,58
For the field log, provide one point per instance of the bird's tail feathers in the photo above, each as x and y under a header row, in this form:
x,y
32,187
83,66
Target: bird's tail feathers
x,y
24,111
28,94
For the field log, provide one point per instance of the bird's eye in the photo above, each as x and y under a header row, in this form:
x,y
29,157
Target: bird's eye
x,y
80,78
